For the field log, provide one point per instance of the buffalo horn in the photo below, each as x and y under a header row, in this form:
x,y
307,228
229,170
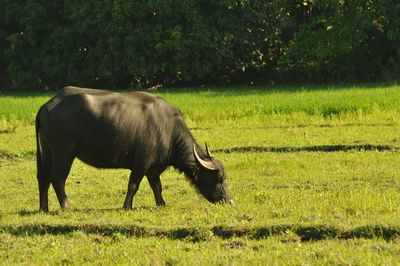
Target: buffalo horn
x,y
208,151
207,164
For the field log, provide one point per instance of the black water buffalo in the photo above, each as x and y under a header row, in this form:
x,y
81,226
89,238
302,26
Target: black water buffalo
x,y
136,131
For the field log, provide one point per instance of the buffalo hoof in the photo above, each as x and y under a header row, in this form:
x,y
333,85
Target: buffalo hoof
x,y
161,204
127,208
44,210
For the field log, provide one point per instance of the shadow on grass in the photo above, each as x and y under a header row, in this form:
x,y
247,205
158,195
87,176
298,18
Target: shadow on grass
x,y
303,126
304,233
4,154
134,208
6,131
318,148
24,213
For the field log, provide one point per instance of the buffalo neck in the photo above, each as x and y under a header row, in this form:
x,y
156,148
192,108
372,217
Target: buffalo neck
x,y
182,156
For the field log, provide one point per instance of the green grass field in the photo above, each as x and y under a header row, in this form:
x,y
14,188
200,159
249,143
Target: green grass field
x,y
314,172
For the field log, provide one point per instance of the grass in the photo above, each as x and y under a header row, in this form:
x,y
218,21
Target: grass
x,y
234,104
119,249
315,176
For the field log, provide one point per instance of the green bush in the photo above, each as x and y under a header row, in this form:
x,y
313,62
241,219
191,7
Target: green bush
x,y
346,40
127,44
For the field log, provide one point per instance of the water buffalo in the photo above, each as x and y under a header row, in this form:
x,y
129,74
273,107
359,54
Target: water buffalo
x,y
136,131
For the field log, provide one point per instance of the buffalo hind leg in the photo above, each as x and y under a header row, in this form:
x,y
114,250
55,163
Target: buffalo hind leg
x,y
43,176
133,186
59,174
44,184
155,184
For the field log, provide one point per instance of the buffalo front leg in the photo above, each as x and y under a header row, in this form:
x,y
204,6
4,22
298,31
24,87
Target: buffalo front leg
x,y
133,187
59,187
155,184
61,168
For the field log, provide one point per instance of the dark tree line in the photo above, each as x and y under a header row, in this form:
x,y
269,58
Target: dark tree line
x,y
127,44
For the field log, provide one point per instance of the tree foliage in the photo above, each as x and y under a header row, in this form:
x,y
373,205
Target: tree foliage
x,y
126,44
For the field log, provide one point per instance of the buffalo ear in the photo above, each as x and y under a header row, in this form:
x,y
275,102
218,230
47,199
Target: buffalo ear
x,y
206,164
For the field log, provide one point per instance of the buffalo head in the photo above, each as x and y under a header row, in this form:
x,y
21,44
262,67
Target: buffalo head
x,y
210,178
